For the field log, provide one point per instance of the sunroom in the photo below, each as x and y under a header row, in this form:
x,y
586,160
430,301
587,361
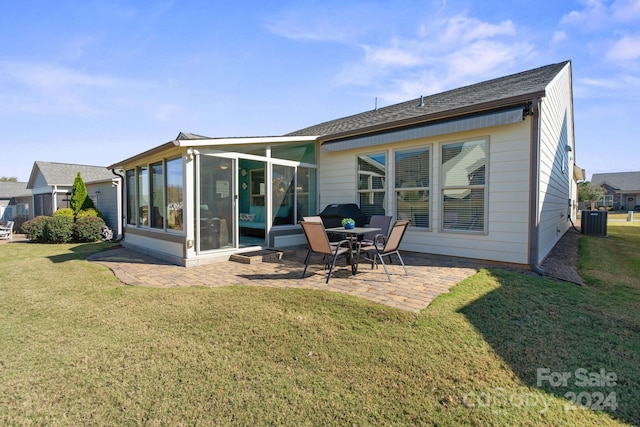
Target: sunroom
x,y
197,199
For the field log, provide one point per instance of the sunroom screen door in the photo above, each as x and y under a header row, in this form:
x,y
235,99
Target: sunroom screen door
x,y
216,199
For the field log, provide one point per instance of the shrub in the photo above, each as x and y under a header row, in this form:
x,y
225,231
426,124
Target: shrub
x,y
90,212
59,229
64,212
34,228
88,229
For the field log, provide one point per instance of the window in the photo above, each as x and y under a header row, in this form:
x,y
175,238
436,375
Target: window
x,y
282,190
143,195
175,194
606,201
297,152
371,183
306,192
22,209
412,186
157,195
463,185
131,196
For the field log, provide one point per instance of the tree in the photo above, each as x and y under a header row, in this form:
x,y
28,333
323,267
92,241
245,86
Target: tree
x,y
9,179
79,197
588,192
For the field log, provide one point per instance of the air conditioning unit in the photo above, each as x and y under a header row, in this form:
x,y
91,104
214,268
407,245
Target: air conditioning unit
x,y
594,223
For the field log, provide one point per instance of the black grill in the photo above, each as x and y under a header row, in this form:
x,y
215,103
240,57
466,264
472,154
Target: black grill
x,y
333,215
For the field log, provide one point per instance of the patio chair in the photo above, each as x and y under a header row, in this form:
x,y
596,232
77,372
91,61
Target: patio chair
x,y
319,243
377,221
6,231
312,219
385,248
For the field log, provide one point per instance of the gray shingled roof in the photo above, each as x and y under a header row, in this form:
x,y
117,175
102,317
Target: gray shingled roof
x,y
63,174
13,189
622,181
517,86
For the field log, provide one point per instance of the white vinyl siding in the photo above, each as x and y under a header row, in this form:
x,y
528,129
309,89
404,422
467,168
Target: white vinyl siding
x,y
506,237
105,198
556,171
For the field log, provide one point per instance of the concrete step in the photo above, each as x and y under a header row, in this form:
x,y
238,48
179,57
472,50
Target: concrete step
x,y
256,257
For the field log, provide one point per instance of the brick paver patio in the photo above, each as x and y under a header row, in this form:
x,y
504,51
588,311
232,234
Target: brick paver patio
x,y
429,275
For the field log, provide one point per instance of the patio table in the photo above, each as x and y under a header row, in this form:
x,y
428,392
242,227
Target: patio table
x,y
353,234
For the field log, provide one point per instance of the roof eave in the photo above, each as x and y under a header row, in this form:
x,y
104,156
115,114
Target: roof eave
x,y
469,109
184,143
151,152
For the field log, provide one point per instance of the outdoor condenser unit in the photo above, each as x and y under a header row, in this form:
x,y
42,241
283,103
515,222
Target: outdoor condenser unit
x,y
594,223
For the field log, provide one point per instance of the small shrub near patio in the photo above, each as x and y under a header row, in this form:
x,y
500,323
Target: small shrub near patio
x,y
34,228
59,229
64,212
88,229
87,213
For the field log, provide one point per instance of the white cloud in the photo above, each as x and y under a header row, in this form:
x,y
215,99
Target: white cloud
x,y
462,29
593,14
558,37
625,49
46,88
319,31
456,51
52,78
626,10
600,13
612,86
479,58
391,56
442,52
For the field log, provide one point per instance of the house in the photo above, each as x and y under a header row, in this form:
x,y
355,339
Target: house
x,y
15,199
484,171
623,190
51,184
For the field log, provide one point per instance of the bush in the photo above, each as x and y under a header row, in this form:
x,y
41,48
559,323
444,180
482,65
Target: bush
x,y
87,213
34,228
64,212
59,229
88,229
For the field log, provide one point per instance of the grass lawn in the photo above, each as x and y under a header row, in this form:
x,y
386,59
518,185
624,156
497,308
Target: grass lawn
x,y
79,348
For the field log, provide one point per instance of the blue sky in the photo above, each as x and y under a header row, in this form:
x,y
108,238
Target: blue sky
x,y
94,82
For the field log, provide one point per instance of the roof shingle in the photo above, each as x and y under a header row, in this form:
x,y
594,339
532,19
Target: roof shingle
x,y
622,181
520,85
63,174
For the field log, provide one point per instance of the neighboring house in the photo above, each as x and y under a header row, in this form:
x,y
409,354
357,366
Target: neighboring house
x,y
485,171
51,185
623,190
15,200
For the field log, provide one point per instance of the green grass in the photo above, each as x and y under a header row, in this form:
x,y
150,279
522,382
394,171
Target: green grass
x,y
79,348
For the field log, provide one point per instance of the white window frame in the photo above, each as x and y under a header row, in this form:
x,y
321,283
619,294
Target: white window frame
x,y
398,190
468,187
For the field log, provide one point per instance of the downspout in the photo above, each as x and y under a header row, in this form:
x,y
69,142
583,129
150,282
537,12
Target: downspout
x,y
54,199
120,208
534,188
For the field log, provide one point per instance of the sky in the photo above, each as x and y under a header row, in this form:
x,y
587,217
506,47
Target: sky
x,y
95,82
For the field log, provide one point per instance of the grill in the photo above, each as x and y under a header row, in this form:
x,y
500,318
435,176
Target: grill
x,y
332,215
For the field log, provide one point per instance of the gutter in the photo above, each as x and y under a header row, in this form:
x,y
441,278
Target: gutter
x,y
534,188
